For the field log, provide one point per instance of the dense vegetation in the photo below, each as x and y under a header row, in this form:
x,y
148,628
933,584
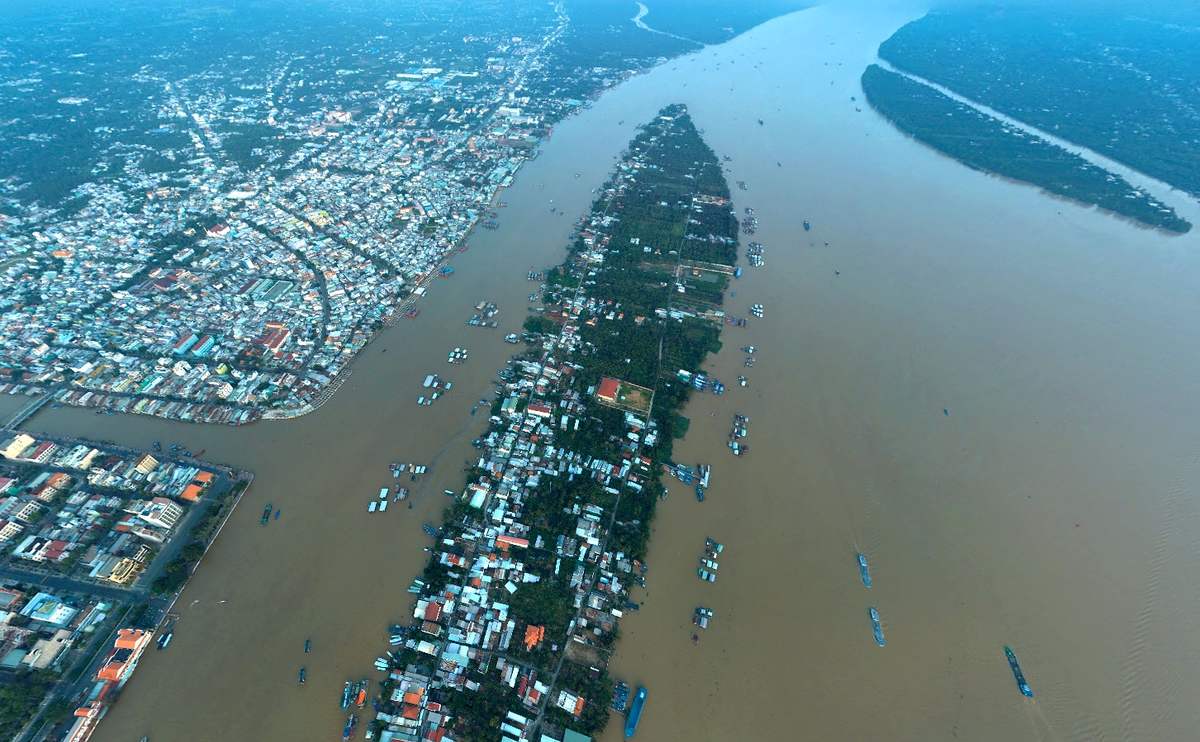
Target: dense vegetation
x,y
1121,77
985,143
19,698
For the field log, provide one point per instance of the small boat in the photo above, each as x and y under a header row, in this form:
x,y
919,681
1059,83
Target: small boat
x,y
620,696
807,226
877,627
864,571
351,725
699,492
266,514
429,529
360,698
307,646
302,675
277,514
165,640
1017,674
347,694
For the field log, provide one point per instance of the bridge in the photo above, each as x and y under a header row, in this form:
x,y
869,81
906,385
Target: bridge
x,y
28,411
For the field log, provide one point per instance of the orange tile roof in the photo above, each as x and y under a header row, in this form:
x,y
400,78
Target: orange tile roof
x,y
534,636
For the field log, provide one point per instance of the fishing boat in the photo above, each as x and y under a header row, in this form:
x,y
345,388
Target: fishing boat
x,y
635,712
705,575
699,492
351,725
266,514
877,627
302,675
1017,674
863,571
702,616
620,696
713,545
347,694
307,646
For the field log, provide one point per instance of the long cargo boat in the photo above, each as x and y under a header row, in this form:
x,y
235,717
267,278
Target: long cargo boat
x,y
877,627
635,712
1017,674
864,571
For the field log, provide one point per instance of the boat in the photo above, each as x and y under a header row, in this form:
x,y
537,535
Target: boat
x,y
372,505
1017,674
863,571
165,639
807,226
877,627
635,712
277,514
705,575
382,507
302,675
429,530
713,545
351,725
266,514
347,694
360,697
307,646
699,492
620,696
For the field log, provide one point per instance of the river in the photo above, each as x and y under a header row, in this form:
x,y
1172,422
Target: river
x,y
990,392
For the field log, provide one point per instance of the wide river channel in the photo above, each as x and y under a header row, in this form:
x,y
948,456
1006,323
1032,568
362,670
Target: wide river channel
x,y
993,394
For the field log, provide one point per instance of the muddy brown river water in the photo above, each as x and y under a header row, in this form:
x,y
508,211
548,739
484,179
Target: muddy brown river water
x,y
991,393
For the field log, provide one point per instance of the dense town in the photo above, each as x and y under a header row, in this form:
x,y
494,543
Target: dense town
x,y
226,256
95,543
518,609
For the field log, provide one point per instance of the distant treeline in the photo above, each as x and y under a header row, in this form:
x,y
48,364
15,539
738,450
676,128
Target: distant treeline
x,y
985,143
1119,77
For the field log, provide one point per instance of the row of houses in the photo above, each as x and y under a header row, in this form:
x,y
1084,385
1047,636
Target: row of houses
x,y
90,512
